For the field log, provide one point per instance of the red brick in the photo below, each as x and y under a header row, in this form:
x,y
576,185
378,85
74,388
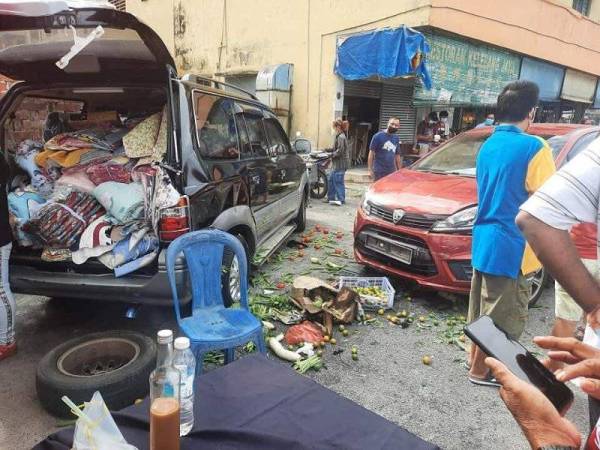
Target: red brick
x,y
22,114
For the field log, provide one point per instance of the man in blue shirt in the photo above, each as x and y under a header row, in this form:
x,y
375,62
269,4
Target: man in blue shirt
x,y
384,151
511,165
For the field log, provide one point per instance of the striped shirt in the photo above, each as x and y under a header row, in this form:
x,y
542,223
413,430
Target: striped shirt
x,y
572,195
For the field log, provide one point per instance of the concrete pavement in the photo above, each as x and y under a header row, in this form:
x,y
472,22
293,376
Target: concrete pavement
x,y
435,402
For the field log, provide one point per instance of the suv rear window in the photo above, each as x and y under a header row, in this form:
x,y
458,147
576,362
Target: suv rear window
x,y
215,126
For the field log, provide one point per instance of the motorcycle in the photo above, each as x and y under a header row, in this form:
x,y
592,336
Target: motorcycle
x,y
317,164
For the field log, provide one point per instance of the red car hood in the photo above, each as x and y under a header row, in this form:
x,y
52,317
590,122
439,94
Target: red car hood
x,y
424,193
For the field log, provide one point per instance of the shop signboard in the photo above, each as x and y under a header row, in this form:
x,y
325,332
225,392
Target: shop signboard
x,y
464,73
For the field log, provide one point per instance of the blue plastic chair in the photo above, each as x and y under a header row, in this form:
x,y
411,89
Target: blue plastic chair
x,y
212,326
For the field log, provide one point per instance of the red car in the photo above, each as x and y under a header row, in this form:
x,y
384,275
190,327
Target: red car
x,y
416,223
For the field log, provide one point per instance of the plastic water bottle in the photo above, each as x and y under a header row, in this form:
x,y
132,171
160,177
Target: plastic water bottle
x,y
185,362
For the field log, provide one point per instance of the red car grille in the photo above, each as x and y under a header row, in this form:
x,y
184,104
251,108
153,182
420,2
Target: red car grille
x,y
419,221
422,263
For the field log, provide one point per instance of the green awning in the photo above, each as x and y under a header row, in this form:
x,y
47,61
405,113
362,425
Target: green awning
x,y
464,73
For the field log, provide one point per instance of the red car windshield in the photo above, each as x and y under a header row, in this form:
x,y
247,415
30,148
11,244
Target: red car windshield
x,y
458,156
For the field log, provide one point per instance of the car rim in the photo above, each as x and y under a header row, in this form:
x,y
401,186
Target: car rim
x,y
98,357
536,281
234,279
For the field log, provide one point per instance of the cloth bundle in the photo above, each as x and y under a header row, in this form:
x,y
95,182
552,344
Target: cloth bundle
x,y
60,224
25,157
23,205
94,192
148,140
124,202
109,171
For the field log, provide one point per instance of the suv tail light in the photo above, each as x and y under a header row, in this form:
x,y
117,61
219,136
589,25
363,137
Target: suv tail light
x,y
174,221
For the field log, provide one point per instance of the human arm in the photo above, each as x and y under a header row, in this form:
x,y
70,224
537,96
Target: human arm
x,y
582,361
335,152
370,159
555,250
568,197
398,161
541,423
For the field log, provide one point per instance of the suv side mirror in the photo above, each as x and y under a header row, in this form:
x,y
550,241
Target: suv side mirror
x,y
302,146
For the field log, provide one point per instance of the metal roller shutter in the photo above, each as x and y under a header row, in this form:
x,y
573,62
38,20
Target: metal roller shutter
x,y
396,101
360,88
119,4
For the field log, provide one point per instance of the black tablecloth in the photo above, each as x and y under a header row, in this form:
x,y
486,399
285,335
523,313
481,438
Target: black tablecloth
x,y
255,403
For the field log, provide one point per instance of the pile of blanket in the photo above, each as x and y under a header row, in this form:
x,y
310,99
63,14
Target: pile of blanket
x,y
85,193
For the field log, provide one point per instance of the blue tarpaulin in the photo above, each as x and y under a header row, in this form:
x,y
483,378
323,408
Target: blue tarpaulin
x,y
386,53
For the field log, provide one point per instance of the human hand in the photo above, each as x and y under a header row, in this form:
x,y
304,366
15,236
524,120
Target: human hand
x,y
567,350
538,418
593,318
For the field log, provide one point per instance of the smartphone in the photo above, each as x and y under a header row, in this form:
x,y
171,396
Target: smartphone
x,y
496,343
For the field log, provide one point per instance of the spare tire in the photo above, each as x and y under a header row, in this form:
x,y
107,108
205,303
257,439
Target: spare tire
x,y
116,363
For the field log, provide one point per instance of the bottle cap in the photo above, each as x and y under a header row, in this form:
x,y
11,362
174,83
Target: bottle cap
x,y
165,336
182,343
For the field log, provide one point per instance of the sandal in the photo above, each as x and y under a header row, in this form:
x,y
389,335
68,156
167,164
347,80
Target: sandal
x,y
487,381
7,350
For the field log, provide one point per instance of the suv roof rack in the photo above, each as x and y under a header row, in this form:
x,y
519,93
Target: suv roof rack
x,y
216,84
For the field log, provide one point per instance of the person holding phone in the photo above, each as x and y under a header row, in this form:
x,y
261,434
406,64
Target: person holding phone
x,y
511,165
543,426
569,198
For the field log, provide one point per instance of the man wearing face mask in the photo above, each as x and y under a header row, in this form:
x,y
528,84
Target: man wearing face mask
x,y
384,151
511,166
488,122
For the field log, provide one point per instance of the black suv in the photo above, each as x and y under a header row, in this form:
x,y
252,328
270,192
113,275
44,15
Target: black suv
x,y
227,153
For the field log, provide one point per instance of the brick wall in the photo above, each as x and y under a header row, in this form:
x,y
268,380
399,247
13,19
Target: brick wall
x,y
28,120
4,84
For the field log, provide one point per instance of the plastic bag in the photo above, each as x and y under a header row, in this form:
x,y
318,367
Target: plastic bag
x,y
95,428
304,332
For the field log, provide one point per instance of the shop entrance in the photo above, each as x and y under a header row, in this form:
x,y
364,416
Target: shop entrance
x,y
363,115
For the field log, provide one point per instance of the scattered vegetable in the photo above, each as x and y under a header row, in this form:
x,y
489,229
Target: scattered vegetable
x,y
333,341
304,365
278,349
345,333
326,338
426,360
381,311
268,325
354,356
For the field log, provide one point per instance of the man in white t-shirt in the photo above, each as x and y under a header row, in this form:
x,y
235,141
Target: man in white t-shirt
x,y
569,197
